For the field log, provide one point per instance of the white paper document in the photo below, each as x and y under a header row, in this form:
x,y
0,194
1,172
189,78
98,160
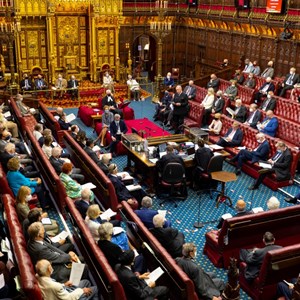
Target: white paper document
x,y
124,175
88,185
216,147
70,118
117,230
162,212
96,148
76,273
61,236
108,154
154,275
54,144
46,221
133,187
257,209
7,114
265,165
153,160
226,216
107,214
2,281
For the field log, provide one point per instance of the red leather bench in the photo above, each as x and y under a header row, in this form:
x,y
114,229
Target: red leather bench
x,y
5,189
247,231
27,274
105,190
195,115
200,94
181,287
245,94
278,265
107,280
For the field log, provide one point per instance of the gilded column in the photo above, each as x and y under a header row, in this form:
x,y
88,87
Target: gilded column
x,y
93,51
18,48
159,57
51,50
117,49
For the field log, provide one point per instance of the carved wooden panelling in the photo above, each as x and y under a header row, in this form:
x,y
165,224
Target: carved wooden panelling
x,y
106,45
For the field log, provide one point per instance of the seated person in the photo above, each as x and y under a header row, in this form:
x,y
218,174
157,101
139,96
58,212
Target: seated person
x,y
214,82
215,126
1,74
261,152
264,90
108,82
268,71
134,88
40,83
269,124
169,81
273,203
38,249
238,77
5,138
46,132
74,131
254,116
170,156
250,82
218,104
54,290
73,188
57,163
81,138
240,112
26,83
26,110
47,146
170,238
112,251
37,132
281,164
290,80
202,158
248,66
73,86
254,257
90,152
134,285
116,128
231,91
241,210
207,103
225,63
16,179
105,162
107,119
163,107
64,125
255,68
284,290
294,199
11,126
110,101
269,103
207,285
190,90
120,188
233,137
146,214
60,86
83,204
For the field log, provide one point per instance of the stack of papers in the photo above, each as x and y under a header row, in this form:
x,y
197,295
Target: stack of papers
x,y
153,160
124,175
70,118
88,185
7,114
46,221
107,214
133,187
162,212
154,275
265,165
216,147
96,148
61,236
226,216
257,209
76,273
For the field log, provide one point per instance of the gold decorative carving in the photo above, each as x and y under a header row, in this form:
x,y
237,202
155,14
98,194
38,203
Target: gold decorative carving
x,y
32,43
69,34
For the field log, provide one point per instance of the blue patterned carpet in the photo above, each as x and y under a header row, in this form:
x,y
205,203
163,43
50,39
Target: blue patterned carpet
x,y
186,214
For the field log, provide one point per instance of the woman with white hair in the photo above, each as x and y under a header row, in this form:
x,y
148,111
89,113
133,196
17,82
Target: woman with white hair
x,y
273,203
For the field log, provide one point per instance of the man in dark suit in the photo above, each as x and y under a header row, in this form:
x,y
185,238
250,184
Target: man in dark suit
x,y
73,87
162,108
269,124
146,214
261,152
214,82
169,81
135,286
240,111
39,249
218,104
207,285
117,128
254,116
40,83
180,103
233,136
170,238
170,156
280,164
26,83
250,82
105,162
90,152
190,90
110,101
83,204
290,80
264,89
254,257
63,124
57,163
269,103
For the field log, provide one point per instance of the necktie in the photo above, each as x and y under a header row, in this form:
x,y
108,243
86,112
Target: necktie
x,y
74,84
266,104
188,91
251,117
59,85
276,156
290,80
26,83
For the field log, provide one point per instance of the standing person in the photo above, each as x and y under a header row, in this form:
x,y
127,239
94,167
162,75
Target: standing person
x,y
207,285
254,257
180,103
107,119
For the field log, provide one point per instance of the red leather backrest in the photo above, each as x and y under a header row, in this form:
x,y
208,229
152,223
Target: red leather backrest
x,y
27,274
200,94
5,189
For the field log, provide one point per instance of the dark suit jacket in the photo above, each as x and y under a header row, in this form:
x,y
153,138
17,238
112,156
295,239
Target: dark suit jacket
x,y
92,154
43,84
270,106
4,158
214,84
256,118
22,84
109,103
103,167
168,82
192,93
111,251
261,153
114,129
237,138
135,288
182,109
254,260
71,84
82,207
121,190
282,165
295,79
56,163
167,158
270,88
171,239
64,125
241,115
218,105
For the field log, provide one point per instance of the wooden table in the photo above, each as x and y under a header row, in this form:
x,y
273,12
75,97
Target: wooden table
x,y
97,117
223,177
